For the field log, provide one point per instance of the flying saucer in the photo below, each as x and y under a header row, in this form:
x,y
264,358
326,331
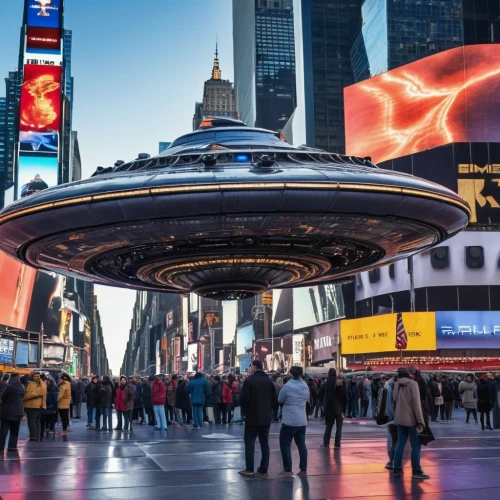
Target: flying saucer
x,y
229,211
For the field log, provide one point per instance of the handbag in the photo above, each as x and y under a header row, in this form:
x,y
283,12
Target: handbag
x,y
426,436
438,401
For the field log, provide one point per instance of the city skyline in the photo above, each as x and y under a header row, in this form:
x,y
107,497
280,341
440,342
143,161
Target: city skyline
x,y
105,63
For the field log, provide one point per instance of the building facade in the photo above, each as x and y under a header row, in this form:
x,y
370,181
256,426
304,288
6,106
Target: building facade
x,y
264,61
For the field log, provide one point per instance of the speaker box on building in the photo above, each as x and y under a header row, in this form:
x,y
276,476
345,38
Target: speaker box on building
x,y
440,257
474,257
374,275
392,271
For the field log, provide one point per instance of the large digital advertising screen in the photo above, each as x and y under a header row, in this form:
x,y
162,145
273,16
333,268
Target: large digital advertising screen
x,y
43,41
38,143
36,173
378,333
316,304
40,99
442,99
244,337
44,13
468,329
275,354
16,292
282,311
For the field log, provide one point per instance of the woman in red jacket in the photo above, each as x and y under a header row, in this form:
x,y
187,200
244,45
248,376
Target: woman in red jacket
x,y
120,405
159,396
227,402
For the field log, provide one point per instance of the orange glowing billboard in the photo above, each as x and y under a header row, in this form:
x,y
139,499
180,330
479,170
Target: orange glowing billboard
x,y
450,97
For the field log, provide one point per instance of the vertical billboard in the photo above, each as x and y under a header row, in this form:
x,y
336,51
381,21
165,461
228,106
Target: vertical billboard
x,y
244,338
44,13
282,311
40,98
325,340
35,174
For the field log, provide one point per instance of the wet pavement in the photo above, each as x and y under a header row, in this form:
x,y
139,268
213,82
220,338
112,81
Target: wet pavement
x,y
185,463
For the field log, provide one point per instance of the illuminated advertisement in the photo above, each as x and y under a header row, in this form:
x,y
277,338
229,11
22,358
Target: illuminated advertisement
x,y
275,356
192,357
43,41
36,173
42,59
40,99
442,99
325,340
44,13
299,349
282,311
244,337
38,143
316,304
468,329
378,333
6,351
16,292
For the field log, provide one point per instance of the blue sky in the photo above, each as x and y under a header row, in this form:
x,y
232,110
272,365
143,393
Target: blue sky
x,y
138,67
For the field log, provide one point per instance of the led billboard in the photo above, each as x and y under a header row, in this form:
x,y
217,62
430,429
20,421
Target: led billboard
x,y
44,13
40,98
442,99
43,41
282,311
38,143
35,174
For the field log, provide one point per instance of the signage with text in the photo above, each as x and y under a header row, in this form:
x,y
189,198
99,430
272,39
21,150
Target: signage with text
x,y
378,333
468,329
325,340
6,351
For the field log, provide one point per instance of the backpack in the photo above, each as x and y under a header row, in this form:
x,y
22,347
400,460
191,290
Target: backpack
x,y
381,417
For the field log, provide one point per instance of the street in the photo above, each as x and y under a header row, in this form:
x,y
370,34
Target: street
x,y
463,463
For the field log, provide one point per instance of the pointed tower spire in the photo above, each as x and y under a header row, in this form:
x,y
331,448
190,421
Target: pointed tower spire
x,y
216,72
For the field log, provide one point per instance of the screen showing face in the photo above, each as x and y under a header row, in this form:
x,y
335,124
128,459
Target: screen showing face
x,y
446,98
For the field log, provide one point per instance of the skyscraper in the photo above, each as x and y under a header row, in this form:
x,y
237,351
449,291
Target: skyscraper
x,y
324,34
395,33
264,61
218,96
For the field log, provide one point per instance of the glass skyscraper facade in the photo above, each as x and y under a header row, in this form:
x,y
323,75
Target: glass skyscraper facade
x,y
398,32
264,61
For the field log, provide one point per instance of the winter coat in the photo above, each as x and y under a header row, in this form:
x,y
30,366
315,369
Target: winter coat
x,y
406,400
200,390
12,401
158,393
182,398
468,392
90,394
257,399
353,391
129,395
76,391
367,391
217,393
227,395
120,399
483,396
335,400
139,401
52,394
106,395
64,397
146,395
35,395
293,396
171,387
447,390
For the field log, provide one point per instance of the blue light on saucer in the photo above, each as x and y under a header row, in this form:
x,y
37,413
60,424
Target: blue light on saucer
x,y
242,158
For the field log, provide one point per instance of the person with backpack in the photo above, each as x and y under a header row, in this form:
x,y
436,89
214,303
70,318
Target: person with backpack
x,y
410,422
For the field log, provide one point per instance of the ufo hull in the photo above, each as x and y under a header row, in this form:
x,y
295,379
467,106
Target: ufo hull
x,y
199,221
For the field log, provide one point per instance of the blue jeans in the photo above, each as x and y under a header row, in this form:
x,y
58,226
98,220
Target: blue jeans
x,y
392,440
403,434
127,415
90,414
288,434
160,417
107,419
198,415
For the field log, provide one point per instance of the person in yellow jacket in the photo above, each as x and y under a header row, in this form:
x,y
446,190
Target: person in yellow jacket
x,y
35,399
64,401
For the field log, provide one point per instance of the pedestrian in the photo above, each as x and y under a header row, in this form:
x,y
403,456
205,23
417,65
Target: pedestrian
x,y
120,406
409,419
199,389
158,398
423,388
495,397
76,398
294,396
392,428
437,394
217,399
148,402
129,399
35,400
352,398
319,411
258,398
313,397
138,416
98,410
468,392
448,398
227,402
48,417
90,396
183,403
12,412
335,404
106,403
366,396
484,401
64,401
170,403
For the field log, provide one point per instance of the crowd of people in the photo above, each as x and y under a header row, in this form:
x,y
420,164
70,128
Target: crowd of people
x,y
405,403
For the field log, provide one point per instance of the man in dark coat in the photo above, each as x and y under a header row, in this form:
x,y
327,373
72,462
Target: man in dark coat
x,y
146,397
217,399
12,412
257,399
183,402
335,404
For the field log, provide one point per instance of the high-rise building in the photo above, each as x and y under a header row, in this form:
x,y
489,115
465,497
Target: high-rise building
x,y
218,96
13,93
395,33
324,35
264,61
